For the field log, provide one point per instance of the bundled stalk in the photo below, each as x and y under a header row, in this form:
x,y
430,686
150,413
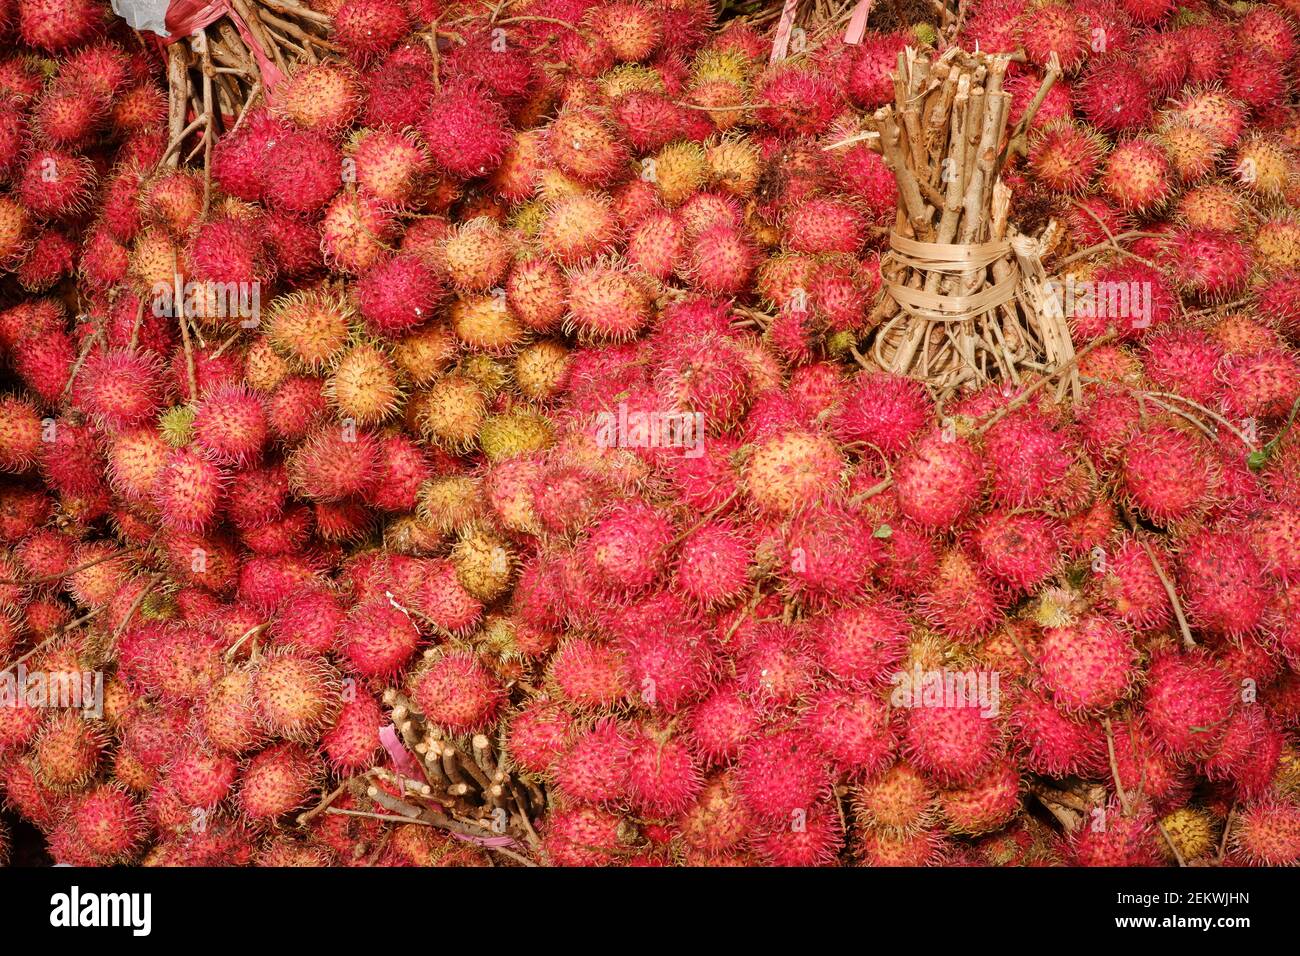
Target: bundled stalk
x,y
218,70
966,300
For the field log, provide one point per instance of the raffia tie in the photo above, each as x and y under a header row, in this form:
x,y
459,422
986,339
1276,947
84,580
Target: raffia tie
x,y
952,259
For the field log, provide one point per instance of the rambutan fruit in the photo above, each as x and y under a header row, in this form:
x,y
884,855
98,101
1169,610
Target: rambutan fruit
x,y
1133,297
475,255
138,108
594,768
720,724
663,778
1138,174
108,823
579,227
629,547
21,433
814,838
311,328
780,775
585,836
1267,833
854,729
1275,538
1122,838
228,715
67,751
712,565
377,638
587,675
334,462
1147,12
53,25
607,303
1065,156
1277,242
1088,665
720,260
1213,111
200,776
484,323
541,370
1260,386
390,166
1167,474
937,480
584,144
277,781
717,823
189,490
951,745
369,28
925,847
1130,587
823,225
1208,264
1247,756
537,734
19,725
867,72
632,30
355,231
296,695
827,552
1053,29
319,96
364,386
466,130
230,425
1192,151
50,256
1264,165
444,600
986,804
1256,80
1187,703
1163,61
55,184
1114,95
790,470
1016,549
301,172
1050,743
1222,582
1183,361
295,407
536,292
959,599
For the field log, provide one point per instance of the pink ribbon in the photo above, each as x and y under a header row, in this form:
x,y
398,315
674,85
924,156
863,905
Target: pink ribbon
x,y
398,753
858,22
189,16
781,43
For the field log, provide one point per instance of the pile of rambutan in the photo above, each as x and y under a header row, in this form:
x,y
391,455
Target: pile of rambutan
x,y
492,440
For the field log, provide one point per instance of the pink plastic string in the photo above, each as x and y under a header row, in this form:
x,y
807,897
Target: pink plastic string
x,y
858,22
781,44
398,753
185,17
